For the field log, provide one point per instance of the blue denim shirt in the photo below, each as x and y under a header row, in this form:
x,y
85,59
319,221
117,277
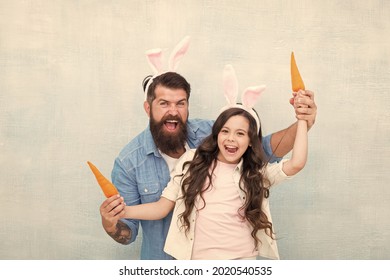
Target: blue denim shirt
x,y
140,173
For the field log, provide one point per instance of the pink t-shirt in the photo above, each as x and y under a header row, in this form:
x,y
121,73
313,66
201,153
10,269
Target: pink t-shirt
x,y
220,232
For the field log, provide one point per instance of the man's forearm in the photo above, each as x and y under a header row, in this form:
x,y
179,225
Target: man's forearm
x,y
121,234
282,141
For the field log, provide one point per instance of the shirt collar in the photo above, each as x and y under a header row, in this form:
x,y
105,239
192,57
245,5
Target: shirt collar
x,y
192,128
239,165
149,145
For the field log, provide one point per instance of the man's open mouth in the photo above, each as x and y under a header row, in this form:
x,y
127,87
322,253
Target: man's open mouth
x,y
171,125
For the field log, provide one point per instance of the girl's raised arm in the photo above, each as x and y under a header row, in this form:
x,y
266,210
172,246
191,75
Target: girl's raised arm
x,y
150,211
299,152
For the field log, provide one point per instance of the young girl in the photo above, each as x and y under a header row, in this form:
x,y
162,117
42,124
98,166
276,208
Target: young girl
x,y
219,193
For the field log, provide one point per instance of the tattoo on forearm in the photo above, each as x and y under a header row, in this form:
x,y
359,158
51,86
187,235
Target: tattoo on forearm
x,y
122,233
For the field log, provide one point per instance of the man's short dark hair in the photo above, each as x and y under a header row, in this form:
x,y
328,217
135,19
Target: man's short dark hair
x,y
170,80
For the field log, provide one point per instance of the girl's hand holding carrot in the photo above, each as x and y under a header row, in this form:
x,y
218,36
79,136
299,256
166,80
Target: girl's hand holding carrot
x,y
305,108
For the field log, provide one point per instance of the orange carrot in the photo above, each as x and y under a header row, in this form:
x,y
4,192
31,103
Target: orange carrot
x,y
107,187
296,79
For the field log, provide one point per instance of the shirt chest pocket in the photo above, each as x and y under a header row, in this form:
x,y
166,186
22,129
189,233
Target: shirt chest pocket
x,y
149,192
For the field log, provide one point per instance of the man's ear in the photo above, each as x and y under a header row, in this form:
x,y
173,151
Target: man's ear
x,y
147,108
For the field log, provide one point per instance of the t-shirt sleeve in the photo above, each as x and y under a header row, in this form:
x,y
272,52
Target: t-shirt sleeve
x,y
274,173
268,149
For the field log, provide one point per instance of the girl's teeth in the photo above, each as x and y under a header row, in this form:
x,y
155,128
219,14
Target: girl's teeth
x,y
231,149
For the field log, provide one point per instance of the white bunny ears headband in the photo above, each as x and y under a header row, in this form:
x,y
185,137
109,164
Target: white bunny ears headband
x,y
249,96
155,59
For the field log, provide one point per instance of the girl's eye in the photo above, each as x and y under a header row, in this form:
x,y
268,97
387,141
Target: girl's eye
x,y
224,131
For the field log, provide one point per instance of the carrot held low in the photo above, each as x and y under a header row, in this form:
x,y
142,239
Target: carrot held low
x,y
107,187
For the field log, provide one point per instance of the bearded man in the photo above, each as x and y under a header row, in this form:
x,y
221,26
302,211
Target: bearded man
x,y
142,169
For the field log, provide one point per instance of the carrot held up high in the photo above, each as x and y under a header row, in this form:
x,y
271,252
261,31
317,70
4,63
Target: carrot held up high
x,y
296,79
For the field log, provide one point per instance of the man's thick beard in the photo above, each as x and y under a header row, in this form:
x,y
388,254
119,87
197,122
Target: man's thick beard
x,y
168,142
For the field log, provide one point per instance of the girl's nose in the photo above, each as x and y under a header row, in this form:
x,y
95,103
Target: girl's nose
x,y
230,137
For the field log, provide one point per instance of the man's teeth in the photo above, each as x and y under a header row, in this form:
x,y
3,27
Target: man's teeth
x,y
171,124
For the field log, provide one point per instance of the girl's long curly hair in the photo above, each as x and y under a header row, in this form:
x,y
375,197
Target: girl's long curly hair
x,y
252,181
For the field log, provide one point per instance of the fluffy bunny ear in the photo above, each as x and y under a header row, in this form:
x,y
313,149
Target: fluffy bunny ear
x,y
154,57
178,52
230,84
251,95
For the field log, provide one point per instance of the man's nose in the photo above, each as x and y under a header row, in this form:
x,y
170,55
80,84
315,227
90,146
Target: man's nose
x,y
173,109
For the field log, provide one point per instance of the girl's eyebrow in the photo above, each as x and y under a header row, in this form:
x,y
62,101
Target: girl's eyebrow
x,y
242,129
239,129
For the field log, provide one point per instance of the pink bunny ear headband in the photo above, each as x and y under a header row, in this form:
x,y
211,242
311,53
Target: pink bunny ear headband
x,y
155,56
249,96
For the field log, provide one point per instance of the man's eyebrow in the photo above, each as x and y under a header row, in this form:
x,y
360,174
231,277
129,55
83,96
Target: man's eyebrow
x,y
181,100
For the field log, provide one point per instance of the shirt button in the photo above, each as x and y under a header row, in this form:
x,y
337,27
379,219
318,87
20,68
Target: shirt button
x,y
145,190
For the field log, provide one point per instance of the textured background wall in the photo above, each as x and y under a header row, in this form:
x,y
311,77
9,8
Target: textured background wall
x,y
70,91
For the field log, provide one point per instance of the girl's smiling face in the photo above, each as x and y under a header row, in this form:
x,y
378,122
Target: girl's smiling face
x,y
233,139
